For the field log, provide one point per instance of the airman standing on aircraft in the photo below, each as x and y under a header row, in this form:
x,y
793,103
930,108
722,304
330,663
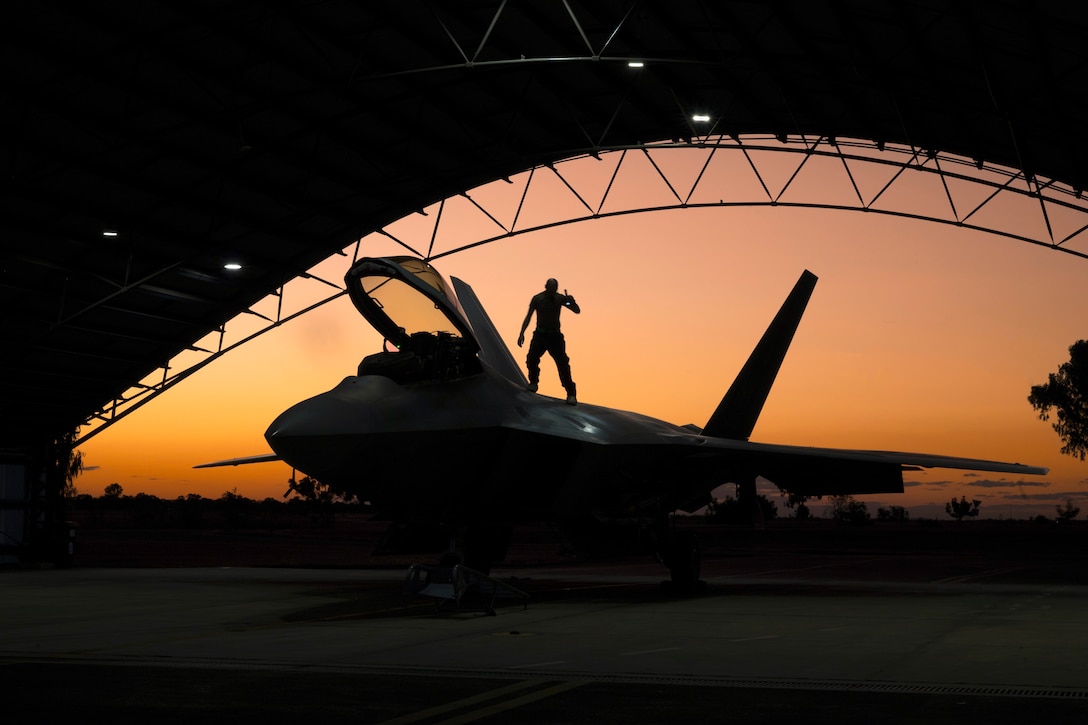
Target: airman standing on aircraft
x,y
547,336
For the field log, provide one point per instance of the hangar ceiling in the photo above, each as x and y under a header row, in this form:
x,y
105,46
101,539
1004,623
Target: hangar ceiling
x,y
147,144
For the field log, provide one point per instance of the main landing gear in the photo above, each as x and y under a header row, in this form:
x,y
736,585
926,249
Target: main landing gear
x,y
679,551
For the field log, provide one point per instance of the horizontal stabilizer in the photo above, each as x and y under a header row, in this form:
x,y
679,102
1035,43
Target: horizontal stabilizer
x,y
736,415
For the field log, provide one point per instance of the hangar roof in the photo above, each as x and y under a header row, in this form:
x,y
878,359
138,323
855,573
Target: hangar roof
x,y
278,133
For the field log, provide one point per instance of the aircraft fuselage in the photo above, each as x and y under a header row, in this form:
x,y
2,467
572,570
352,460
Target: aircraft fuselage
x,y
477,443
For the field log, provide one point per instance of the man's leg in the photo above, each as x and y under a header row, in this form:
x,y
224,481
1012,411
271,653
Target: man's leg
x,y
558,350
532,360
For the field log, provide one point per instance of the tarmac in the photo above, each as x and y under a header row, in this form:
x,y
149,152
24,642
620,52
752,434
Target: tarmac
x,y
826,637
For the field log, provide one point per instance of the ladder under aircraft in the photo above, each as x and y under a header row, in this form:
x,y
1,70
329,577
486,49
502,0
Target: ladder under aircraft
x,y
460,588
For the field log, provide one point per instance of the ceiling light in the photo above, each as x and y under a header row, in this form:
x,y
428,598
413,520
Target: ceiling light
x,y
700,117
635,64
109,232
232,266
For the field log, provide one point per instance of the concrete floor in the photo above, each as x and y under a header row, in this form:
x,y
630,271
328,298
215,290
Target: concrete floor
x,y
826,637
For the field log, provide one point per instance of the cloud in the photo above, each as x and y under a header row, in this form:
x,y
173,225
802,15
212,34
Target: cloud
x,y
1053,496
944,482
989,483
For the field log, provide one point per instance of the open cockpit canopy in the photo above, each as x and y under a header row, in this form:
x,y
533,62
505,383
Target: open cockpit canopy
x,y
412,306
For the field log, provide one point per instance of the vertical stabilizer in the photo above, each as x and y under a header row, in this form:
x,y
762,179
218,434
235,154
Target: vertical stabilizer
x,y
736,415
493,350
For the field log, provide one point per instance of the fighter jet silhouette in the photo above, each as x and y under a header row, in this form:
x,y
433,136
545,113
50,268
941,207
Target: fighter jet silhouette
x,y
440,435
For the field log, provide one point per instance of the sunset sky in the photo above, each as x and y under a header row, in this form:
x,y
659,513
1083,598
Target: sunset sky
x,y
919,337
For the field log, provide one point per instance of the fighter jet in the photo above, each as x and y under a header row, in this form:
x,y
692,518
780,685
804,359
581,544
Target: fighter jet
x,y
439,433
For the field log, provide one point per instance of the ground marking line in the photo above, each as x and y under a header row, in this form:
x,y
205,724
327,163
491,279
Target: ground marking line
x,y
647,651
539,664
511,704
752,639
975,575
465,702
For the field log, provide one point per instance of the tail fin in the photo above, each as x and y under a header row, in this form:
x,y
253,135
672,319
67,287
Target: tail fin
x,y
736,415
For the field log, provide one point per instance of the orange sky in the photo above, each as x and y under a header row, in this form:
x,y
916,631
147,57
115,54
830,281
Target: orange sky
x,y
919,337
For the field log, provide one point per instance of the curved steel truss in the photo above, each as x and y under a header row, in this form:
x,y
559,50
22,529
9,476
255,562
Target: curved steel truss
x,y
709,171
724,172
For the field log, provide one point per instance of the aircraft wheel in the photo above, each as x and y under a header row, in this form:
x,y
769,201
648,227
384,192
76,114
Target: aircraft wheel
x,y
683,589
480,564
685,558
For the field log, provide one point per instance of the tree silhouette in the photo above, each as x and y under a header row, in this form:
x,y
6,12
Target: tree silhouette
x,y
1067,511
892,513
733,511
64,464
797,502
310,489
847,510
959,509
313,490
1066,391
114,490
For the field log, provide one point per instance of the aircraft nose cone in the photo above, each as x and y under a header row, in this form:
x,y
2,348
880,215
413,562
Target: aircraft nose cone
x,y
347,409
320,431
321,415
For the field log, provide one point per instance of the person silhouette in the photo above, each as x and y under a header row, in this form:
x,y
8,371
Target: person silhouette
x,y
547,336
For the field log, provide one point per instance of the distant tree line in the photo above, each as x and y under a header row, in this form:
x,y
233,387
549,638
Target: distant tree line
x,y
309,503
847,510
306,503
843,509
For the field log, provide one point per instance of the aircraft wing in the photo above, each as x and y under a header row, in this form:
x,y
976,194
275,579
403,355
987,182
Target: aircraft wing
x,y
830,471
263,458
593,448
909,461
